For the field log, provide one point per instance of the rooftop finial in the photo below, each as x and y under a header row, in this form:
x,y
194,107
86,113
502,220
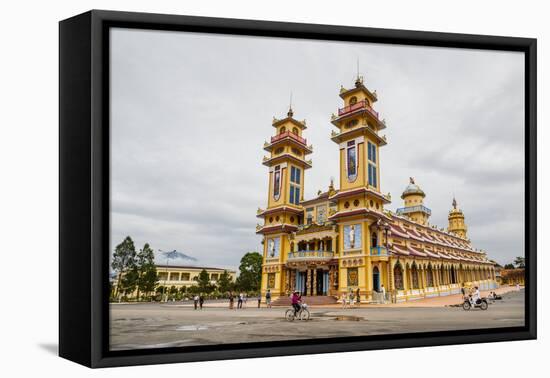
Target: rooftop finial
x,y
454,202
411,180
290,112
358,79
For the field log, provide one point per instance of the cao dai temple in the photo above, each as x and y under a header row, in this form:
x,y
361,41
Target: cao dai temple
x,y
344,240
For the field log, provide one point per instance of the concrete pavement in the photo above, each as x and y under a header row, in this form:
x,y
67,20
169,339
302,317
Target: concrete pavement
x,y
148,325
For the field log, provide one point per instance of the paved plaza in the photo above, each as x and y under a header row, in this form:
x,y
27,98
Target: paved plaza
x,y
154,325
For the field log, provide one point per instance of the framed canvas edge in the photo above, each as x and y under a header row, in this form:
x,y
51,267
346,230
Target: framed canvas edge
x,y
94,327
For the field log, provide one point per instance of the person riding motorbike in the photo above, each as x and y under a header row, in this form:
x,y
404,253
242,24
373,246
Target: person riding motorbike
x,y
475,297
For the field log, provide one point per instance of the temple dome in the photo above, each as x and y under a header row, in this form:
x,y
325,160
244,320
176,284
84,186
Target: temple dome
x,y
411,189
455,210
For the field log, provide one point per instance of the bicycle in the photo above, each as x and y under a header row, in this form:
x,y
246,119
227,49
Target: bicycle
x,y
302,314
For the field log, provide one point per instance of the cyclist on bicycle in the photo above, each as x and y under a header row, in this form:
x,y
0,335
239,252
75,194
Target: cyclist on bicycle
x,y
296,300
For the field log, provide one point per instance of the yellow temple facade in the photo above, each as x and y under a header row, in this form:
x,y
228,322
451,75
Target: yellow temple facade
x,y
344,240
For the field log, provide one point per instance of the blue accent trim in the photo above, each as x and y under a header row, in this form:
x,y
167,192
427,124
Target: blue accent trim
x,y
378,251
413,209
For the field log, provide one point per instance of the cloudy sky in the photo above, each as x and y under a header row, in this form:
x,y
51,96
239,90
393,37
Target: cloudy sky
x,y
190,114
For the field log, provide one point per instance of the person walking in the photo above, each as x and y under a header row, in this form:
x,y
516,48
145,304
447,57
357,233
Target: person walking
x,y
201,300
196,300
268,298
245,299
344,300
231,300
383,293
358,297
240,301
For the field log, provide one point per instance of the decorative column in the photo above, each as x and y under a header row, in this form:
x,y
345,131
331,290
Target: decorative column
x,y
405,279
286,274
308,282
423,278
391,278
330,280
314,271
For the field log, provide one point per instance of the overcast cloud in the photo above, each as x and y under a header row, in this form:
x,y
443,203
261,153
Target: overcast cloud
x,y
190,114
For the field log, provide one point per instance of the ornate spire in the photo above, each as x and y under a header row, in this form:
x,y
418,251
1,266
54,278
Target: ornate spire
x,y
290,111
454,202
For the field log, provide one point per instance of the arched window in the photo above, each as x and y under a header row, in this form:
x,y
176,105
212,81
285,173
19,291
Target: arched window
x,y
414,277
353,100
374,239
398,277
453,274
283,129
295,130
429,277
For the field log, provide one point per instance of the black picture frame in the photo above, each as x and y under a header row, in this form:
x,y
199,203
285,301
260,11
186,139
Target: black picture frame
x,y
84,187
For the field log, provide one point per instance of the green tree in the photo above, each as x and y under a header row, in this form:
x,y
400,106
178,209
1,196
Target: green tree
x,y
519,262
225,283
173,291
203,282
124,261
147,269
250,272
129,281
509,266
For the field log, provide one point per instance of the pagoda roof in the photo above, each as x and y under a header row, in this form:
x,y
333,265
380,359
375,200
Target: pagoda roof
x,y
277,122
279,209
359,87
437,237
288,137
321,197
286,156
277,228
340,137
361,190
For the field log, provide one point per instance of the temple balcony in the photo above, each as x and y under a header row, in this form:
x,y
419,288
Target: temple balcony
x,y
378,251
361,105
413,209
310,255
291,135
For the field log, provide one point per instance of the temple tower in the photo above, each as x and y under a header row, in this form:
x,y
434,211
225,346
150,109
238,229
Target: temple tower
x,y
414,208
360,203
287,163
456,221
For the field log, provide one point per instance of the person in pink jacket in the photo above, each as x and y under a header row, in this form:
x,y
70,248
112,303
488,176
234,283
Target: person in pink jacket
x,y
296,300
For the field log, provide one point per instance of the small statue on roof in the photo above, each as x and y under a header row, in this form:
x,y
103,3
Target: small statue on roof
x,y
411,180
454,203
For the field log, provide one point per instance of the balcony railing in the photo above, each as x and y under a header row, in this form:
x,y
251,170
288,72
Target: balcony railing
x,y
413,209
378,251
359,105
288,134
310,254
